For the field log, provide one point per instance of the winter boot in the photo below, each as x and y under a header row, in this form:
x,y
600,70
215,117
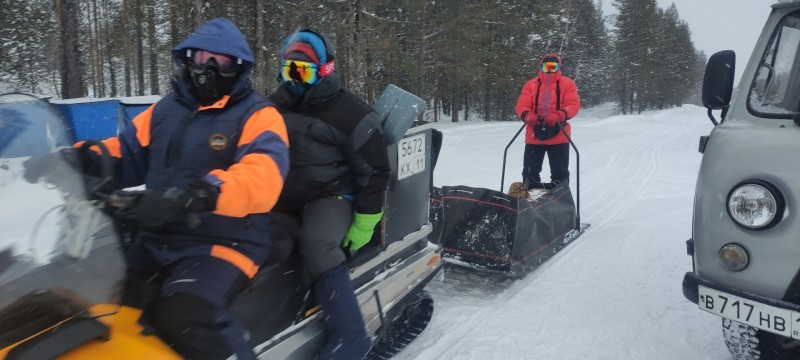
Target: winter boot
x,y
538,185
556,182
347,338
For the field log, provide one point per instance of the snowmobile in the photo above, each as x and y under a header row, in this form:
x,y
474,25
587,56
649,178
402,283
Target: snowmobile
x,y
62,264
744,243
493,232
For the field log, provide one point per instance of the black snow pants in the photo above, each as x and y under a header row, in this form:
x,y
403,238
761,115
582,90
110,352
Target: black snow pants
x,y
557,155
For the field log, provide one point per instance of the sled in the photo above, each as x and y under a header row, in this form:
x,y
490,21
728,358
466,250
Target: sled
x,y
490,231
62,266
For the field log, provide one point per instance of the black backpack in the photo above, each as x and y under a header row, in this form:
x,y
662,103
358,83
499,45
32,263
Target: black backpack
x,y
544,132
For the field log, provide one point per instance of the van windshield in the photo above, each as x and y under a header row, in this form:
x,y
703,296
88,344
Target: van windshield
x,y
775,91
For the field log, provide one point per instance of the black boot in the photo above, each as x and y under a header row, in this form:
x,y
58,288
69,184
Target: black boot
x,y
347,338
556,182
539,185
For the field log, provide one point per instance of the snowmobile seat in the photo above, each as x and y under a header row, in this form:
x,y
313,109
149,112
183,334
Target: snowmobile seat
x,y
285,230
274,297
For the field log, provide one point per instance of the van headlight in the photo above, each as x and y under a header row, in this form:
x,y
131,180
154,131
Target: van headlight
x,y
755,205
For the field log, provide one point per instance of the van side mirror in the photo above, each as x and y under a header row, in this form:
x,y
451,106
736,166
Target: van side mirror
x,y
718,82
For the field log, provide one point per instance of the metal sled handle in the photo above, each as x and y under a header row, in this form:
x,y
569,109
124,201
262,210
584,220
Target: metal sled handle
x,y
505,153
577,177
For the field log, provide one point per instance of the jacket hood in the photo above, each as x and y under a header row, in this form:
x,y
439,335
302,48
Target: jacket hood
x,y
557,74
219,36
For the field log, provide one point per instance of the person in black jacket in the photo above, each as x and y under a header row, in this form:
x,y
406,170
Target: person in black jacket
x,y
339,173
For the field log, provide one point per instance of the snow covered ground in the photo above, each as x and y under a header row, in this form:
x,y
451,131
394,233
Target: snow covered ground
x,y
615,293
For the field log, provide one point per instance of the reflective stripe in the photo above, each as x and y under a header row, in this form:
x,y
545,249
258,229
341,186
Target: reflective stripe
x,y
247,266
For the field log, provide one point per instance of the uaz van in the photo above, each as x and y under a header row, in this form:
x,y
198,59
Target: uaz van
x,y
746,229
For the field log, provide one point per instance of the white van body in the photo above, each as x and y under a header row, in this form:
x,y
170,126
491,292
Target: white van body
x,y
746,228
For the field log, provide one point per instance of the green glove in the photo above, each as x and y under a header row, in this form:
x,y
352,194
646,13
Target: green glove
x,y
360,231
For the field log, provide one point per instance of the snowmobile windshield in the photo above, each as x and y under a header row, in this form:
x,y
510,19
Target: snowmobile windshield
x,y
59,255
775,90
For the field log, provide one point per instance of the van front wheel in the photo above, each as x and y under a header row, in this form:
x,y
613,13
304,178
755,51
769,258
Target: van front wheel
x,y
748,343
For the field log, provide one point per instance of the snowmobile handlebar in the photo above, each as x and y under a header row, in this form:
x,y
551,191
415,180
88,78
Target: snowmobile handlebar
x,y
105,191
122,199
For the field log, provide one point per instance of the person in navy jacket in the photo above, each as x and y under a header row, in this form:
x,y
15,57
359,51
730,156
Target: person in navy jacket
x,y
217,149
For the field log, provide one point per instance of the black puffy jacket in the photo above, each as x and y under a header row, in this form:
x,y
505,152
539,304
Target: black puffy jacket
x,y
336,147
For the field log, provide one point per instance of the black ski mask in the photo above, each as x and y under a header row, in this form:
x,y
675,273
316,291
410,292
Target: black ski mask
x,y
209,82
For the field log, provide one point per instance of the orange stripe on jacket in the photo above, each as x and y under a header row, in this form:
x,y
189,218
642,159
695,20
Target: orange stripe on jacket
x,y
112,144
247,266
252,185
142,123
267,119
220,104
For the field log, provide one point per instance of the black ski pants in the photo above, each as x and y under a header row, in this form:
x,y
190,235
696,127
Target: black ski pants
x,y
191,309
323,225
557,155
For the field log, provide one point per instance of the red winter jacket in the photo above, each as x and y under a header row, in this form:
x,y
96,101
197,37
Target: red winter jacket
x,y
544,86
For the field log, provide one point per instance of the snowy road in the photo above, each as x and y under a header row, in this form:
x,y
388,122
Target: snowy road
x,y
615,293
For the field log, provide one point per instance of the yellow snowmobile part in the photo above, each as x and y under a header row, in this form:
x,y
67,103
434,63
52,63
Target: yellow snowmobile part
x,y
126,341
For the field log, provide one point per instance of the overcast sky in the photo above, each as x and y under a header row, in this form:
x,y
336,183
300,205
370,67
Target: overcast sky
x,y
719,24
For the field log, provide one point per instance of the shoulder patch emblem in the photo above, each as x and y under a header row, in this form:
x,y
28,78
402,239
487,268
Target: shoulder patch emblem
x,y
217,141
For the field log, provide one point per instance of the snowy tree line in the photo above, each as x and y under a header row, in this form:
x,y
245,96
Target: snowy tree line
x,y
465,57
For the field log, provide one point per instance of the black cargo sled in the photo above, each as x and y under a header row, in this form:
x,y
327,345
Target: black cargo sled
x,y
490,231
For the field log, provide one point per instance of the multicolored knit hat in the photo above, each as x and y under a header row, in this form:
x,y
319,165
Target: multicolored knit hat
x,y
307,45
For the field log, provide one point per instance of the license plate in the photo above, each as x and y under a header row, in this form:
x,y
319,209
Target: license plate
x,y
410,156
758,315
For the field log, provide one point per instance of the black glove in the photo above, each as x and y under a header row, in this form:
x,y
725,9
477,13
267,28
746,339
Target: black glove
x,y
52,166
523,115
155,208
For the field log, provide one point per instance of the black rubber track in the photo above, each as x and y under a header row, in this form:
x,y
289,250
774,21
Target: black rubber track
x,y
402,331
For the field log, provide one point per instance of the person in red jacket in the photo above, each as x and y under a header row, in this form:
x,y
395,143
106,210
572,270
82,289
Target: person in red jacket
x,y
546,101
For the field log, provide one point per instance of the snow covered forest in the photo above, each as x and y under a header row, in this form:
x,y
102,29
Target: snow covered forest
x,y
468,59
